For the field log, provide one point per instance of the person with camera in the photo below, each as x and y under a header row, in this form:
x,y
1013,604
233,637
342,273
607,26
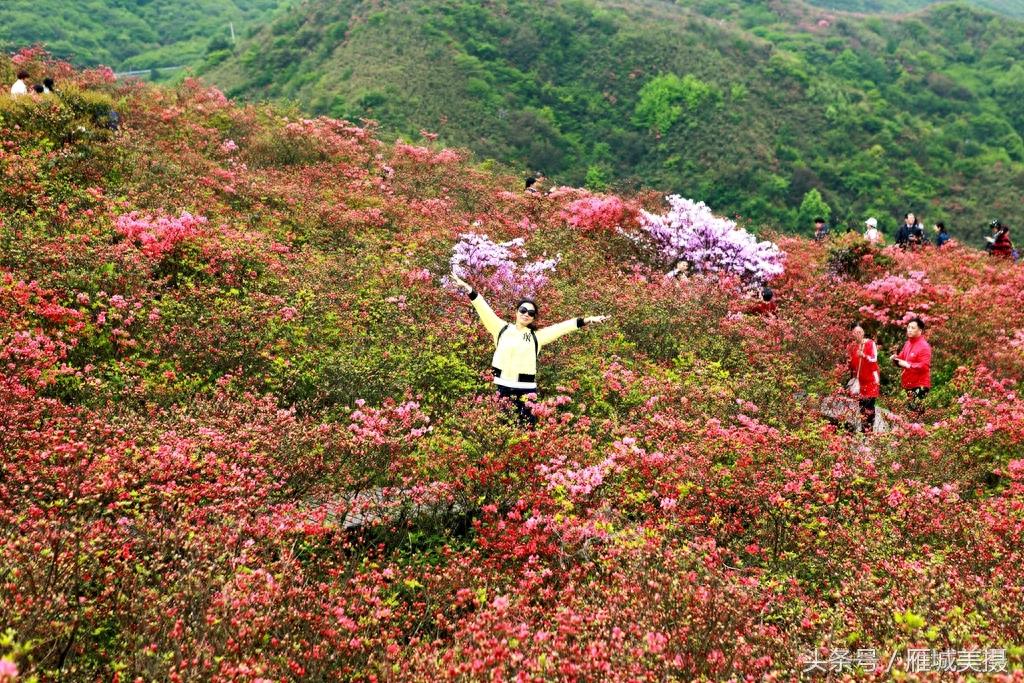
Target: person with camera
x,y
916,360
517,347
910,233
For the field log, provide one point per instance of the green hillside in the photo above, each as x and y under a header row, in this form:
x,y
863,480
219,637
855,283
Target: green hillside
x,y
747,105
1013,8
130,34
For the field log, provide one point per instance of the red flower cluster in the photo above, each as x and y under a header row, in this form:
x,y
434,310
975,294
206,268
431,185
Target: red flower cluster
x,y
246,432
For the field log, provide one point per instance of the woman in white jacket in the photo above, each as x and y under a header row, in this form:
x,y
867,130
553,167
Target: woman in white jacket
x,y
517,345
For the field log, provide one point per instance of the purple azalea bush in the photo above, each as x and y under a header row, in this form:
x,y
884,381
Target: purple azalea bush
x,y
689,233
498,266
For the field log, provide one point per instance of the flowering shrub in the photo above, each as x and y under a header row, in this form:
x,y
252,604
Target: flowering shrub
x,y
596,213
706,243
896,299
495,266
157,237
245,436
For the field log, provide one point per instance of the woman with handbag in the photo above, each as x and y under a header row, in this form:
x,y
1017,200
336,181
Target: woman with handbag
x,y
864,377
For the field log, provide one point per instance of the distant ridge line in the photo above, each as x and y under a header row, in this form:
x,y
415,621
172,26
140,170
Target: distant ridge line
x,y
136,72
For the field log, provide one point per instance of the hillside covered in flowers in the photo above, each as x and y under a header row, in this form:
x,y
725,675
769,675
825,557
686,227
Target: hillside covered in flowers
x,y
247,434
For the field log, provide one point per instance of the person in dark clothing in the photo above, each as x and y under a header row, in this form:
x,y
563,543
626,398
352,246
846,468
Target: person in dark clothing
x,y
918,237
993,227
820,229
942,235
907,230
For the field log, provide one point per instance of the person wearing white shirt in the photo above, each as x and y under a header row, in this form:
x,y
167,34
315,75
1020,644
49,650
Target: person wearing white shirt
x,y
872,234
20,87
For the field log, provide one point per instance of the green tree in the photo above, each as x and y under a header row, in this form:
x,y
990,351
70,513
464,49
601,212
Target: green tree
x,y
812,206
664,98
597,179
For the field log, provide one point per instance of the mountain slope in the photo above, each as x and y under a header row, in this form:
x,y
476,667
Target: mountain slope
x,y
1011,8
880,115
247,433
130,34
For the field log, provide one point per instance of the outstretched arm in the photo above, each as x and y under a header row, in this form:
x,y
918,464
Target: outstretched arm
x,y
550,333
487,316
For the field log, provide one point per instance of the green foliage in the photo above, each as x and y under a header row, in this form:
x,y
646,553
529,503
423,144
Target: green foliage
x,y
733,103
812,206
72,115
130,34
1008,7
665,98
597,178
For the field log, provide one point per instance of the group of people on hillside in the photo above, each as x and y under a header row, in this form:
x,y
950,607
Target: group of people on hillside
x,y
912,235
517,347
914,359
21,86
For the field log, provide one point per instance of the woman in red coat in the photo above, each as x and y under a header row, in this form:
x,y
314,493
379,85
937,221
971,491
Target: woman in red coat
x,y
1002,246
862,355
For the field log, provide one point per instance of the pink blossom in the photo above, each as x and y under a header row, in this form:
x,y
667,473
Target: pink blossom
x,y
656,641
689,233
500,266
156,237
595,213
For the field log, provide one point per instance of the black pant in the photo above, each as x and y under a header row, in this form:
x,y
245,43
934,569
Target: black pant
x,y
914,397
867,414
524,415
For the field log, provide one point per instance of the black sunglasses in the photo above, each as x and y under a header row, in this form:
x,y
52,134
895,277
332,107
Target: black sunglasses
x,y
528,311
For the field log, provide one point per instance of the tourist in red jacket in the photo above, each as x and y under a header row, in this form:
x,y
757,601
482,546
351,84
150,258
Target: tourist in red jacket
x,y
862,355
916,360
1002,246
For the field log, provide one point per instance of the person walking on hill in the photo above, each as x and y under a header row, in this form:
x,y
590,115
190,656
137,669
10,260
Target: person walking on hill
x,y
916,360
1002,246
517,346
941,234
48,85
20,87
872,234
862,355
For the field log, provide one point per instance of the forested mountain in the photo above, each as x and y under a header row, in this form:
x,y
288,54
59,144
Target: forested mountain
x,y
748,105
130,34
